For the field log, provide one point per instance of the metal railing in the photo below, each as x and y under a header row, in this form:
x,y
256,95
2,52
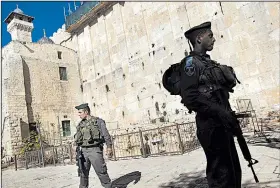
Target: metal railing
x,y
250,122
85,8
51,156
168,140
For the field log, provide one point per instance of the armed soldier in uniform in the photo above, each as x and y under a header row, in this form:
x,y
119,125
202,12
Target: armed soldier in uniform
x,y
90,136
204,87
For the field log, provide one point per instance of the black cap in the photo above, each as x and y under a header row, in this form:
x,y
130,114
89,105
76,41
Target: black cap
x,y
81,106
194,31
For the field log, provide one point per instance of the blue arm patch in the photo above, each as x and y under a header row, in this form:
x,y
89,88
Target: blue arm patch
x,y
189,62
189,67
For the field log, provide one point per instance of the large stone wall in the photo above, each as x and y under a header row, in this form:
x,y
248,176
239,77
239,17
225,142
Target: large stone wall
x,y
33,87
124,52
14,105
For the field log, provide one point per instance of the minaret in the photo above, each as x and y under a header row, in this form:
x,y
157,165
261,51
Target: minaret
x,y
19,25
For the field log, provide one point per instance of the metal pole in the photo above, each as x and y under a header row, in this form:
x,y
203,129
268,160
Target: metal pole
x,y
26,162
53,156
40,164
113,148
16,162
70,153
41,146
142,144
179,139
59,132
54,136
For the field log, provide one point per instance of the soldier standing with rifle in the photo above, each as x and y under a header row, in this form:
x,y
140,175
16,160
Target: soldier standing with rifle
x,y
204,87
89,139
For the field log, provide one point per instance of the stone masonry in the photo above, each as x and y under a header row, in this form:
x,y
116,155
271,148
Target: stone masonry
x,y
116,60
32,86
124,51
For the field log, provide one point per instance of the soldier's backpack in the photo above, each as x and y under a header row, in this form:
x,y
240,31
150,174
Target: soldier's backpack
x,y
171,79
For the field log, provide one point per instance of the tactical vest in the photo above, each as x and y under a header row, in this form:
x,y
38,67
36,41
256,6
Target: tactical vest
x,y
227,77
212,77
88,133
216,76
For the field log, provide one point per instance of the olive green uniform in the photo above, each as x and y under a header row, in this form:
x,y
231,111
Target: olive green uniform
x,y
90,136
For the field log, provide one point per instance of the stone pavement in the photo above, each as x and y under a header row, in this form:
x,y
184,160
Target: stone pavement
x,y
185,171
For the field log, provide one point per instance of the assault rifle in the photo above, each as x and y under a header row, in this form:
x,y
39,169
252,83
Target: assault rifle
x,y
243,145
235,127
80,160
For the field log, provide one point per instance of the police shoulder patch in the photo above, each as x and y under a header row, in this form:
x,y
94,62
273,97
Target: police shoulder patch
x,y
189,66
189,61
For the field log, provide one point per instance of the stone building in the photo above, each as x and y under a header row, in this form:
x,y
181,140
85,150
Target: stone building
x,y
115,55
40,81
125,47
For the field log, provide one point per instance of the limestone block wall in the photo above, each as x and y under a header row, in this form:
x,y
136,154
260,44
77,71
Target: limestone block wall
x,y
248,40
5,125
14,105
124,52
34,87
52,97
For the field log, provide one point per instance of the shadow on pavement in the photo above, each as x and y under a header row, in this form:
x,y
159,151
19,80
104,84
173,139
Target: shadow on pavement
x,y
265,141
198,180
270,145
261,184
269,138
188,180
124,180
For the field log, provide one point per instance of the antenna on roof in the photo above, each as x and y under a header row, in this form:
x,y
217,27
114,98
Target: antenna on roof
x,y
75,5
44,32
69,10
64,13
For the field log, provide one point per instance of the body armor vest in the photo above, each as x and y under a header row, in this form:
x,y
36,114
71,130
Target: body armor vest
x,y
207,84
88,133
215,76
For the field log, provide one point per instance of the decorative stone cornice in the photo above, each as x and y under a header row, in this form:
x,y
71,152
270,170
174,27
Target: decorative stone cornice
x,y
19,26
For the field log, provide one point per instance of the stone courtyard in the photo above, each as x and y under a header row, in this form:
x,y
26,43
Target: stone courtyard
x,y
184,171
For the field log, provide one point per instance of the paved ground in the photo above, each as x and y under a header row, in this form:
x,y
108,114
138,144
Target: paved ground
x,y
185,171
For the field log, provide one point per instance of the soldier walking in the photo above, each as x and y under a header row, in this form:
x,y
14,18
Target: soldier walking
x,y
90,136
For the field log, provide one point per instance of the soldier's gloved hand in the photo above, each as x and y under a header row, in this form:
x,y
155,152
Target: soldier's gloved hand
x,y
74,146
227,119
109,152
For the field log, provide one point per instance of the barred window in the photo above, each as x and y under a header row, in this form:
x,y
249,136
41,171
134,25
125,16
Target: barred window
x,y
62,73
66,130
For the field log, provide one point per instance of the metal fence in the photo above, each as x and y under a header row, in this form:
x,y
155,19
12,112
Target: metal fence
x,y
248,119
167,140
50,156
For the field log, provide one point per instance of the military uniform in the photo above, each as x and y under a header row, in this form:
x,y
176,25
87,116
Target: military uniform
x,y
90,136
201,93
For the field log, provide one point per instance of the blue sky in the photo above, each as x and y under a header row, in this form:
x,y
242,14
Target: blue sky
x,y
49,15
